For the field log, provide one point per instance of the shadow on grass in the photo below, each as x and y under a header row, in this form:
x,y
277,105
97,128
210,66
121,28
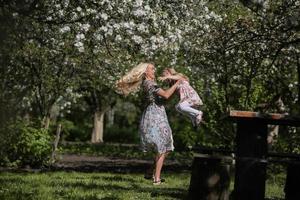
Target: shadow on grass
x,y
109,187
117,178
135,187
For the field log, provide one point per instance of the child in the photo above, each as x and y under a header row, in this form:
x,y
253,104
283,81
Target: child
x,y
189,99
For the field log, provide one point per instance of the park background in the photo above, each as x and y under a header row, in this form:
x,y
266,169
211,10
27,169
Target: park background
x,y
60,59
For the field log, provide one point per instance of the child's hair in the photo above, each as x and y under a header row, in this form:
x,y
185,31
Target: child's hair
x,y
172,71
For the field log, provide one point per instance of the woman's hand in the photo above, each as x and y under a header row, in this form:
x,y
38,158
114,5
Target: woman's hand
x,y
162,78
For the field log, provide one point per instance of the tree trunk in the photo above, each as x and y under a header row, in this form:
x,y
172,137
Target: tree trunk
x,y
298,72
97,134
55,143
46,122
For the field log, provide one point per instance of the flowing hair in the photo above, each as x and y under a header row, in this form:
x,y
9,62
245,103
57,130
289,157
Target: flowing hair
x,y
132,81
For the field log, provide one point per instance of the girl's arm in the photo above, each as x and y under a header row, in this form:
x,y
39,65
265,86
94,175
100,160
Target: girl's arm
x,y
167,93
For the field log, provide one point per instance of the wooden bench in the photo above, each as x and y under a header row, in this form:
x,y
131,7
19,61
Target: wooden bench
x,y
252,153
209,164
251,158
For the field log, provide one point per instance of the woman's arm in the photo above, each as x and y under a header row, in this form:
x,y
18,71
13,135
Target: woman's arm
x,y
172,77
167,93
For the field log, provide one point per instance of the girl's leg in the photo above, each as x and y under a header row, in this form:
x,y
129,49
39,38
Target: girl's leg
x,y
187,109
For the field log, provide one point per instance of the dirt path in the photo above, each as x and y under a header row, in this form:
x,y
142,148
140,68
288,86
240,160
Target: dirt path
x,y
73,162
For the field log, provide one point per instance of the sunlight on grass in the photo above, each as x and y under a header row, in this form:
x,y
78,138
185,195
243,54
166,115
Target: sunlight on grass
x,y
63,185
75,185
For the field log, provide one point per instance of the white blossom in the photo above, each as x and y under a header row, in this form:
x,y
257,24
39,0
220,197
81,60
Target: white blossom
x,y
103,28
138,3
147,7
81,49
116,26
118,38
65,29
79,9
137,39
104,16
80,36
139,13
85,27
78,44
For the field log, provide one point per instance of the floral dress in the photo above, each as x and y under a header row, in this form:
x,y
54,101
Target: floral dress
x,y
187,93
155,131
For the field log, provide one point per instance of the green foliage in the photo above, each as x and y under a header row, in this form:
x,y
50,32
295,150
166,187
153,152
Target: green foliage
x,y
183,134
116,133
74,132
22,144
239,62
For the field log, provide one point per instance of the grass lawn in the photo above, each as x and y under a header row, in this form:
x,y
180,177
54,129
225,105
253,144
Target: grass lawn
x,y
76,185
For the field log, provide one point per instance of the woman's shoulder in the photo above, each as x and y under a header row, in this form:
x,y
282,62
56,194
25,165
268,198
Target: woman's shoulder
x,y
150,85
149,82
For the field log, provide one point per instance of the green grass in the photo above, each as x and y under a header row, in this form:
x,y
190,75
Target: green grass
x,y
275,185
75,185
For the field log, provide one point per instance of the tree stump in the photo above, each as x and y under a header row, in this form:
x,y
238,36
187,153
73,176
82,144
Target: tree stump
x,y
210,178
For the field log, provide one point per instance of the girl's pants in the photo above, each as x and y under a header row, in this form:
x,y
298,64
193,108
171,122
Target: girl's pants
x,y
187,109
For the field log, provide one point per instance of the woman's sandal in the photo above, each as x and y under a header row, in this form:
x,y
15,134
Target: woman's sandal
x,y
158,182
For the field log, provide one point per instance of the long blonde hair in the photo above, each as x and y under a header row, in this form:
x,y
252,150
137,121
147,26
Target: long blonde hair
x,y
132,81
172,71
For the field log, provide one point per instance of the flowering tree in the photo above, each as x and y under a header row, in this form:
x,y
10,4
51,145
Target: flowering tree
x,y
112,36
250,58
86,46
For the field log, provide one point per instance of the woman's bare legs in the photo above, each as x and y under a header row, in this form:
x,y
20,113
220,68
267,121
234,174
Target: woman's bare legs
x,y
158,165
151,170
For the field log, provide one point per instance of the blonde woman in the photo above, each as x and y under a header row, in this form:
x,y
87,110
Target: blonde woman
x,y
154,129
189,99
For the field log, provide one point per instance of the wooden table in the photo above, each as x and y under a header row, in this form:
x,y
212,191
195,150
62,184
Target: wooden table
x,y
252,150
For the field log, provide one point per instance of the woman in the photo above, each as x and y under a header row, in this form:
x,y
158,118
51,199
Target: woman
x,y
154,129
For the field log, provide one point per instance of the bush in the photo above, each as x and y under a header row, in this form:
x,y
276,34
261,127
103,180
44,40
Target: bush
x,y
22,144
121,134
74,132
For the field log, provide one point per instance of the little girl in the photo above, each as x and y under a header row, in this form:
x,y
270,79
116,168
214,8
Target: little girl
x,y
189,99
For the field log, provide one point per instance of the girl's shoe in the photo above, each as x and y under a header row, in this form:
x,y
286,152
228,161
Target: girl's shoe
x,y
199,118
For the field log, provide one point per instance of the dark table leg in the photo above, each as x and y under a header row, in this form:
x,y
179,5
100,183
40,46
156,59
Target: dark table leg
x,y
251,152
292,182
210,178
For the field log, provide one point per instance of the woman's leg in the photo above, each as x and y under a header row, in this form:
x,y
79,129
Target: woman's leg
x,y
158,165
151,170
